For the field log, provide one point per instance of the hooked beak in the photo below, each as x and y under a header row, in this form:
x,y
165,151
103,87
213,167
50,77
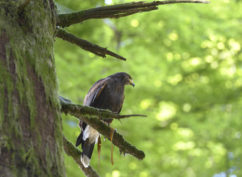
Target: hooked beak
x,y
131,82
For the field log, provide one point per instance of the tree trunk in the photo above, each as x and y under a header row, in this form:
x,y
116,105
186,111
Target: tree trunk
x,y
30,124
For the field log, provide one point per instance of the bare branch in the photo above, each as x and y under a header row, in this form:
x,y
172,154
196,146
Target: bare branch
x,y
115,11
76,154
100,51
89,115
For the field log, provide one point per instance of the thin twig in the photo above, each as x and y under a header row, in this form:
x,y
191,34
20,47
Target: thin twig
x,y
115,11
89,115
100,51
75,153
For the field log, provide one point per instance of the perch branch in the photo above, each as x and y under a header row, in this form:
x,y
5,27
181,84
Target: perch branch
x,y
89,115
115,11
100,51
117,140
76,154
79,110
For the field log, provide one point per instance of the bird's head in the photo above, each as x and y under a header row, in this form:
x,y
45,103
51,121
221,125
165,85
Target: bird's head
x,y
124,78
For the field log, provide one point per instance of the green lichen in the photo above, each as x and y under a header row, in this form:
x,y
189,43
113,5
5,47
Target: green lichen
x,y
31,46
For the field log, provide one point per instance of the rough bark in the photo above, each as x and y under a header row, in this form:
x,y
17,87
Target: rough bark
x,y
30,125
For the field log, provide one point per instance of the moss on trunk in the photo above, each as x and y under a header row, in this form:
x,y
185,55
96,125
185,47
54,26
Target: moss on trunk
x,y
30,125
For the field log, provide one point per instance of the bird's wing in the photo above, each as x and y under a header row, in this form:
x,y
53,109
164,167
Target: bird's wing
x,y
94,92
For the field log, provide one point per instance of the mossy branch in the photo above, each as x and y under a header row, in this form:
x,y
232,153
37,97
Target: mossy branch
x,y
79,110
91,117
115,11
75,153
100,51
117,139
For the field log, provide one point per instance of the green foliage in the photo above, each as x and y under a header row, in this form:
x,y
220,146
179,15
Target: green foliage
x,y
186,62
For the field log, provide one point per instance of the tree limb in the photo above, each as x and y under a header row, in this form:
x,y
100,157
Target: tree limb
x,y
100,51
89,115
76,154
115,11
79,110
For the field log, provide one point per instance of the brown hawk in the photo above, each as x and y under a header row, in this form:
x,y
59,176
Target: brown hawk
x,y
107,93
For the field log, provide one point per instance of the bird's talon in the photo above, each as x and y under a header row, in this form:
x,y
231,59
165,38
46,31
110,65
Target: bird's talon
x,y
111,139
99,146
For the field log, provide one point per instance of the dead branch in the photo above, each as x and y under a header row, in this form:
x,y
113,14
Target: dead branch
x,y
100,51
75,153
115,11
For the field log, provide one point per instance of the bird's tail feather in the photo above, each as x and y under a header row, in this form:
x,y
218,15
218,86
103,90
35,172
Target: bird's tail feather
x,y
79,139
87,138
87,150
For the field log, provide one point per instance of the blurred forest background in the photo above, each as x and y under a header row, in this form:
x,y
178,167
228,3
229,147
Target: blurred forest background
x,y
186,62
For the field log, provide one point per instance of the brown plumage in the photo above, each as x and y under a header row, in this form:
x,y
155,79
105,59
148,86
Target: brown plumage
x,y
107,93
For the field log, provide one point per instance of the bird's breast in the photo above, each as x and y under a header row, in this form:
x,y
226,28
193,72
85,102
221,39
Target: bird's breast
x,y
117,101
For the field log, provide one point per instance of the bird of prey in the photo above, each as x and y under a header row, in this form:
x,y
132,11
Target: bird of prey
x,y
107,93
